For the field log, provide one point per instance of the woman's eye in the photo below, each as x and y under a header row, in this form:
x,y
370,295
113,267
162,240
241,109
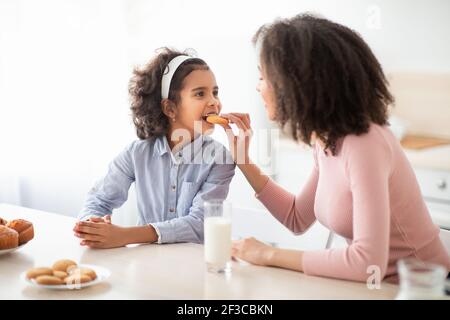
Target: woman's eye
x,y
199,94
216,93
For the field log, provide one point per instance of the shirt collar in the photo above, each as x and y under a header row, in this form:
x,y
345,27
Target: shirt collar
x,y
186,154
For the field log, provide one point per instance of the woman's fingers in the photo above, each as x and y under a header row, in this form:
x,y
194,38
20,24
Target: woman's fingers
x,y
245,117
236,248
240,123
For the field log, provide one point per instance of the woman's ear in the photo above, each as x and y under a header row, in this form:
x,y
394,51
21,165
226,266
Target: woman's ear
x,y
169,109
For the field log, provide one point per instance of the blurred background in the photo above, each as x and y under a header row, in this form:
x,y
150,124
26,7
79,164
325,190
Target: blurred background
x,y
64,110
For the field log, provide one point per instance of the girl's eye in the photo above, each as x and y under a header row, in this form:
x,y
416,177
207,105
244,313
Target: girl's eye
x,y
199,94
216,93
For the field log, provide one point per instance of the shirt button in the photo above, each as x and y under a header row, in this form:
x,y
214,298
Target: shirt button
x,y
172,210
173,188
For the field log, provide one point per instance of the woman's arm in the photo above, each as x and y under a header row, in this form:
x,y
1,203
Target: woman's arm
x,y
254,175
295,212
258,253
239,146
367,161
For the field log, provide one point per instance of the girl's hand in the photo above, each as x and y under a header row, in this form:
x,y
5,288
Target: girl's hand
x,y
100,234
239,145
105,219
253,251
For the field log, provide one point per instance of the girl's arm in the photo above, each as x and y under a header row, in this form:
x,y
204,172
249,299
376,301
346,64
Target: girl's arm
x,y
112,190
189,228
104,235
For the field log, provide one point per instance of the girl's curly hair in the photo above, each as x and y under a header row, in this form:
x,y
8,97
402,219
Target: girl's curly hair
x,y
325,78
145,91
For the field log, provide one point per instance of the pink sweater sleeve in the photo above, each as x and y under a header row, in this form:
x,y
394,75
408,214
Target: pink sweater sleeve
x,y
368,168
294,212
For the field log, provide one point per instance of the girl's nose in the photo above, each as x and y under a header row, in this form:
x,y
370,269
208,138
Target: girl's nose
x,y
214,102
258,87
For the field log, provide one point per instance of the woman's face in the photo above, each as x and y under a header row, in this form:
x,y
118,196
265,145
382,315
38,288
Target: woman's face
x,y
199,97
266,90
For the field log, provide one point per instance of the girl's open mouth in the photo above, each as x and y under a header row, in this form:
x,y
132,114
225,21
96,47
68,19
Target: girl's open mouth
x,y
209,114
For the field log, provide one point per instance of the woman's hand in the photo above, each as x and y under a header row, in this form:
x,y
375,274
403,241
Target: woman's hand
x,y
239,145
253,251
100,234
256,252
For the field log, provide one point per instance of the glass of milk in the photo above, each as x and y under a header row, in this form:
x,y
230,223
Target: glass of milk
x,y
420,280
217,220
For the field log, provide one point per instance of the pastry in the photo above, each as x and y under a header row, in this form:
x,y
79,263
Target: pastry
x,y
37,272
77,278
3,221
83,271
216,119
24,228
60,274
62,265
9,238
49,280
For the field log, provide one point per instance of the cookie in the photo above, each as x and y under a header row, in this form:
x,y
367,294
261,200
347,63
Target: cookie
x,y
83,271
77,279
49,280
62,265
70,268
60,274
216,120
36,272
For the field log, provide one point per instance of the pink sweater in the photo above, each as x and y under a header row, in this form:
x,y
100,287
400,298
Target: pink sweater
x,y
368,194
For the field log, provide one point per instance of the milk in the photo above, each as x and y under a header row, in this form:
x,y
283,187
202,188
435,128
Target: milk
x,y
217,242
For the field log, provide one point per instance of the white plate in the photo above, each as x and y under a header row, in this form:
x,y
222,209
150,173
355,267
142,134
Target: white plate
x,y
102,275
12,249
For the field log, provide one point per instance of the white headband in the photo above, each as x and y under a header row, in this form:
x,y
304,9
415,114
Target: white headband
x,y
170,70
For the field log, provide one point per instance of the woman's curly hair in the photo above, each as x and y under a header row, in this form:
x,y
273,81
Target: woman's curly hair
x,y
325,78
145,91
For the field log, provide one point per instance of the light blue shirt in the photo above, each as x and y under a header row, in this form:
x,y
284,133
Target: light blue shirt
x,y
170,189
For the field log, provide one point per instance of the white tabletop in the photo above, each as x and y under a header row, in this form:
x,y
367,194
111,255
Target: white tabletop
x,y
170,271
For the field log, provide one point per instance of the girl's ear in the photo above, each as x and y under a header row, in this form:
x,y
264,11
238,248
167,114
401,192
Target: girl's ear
x,y
169,109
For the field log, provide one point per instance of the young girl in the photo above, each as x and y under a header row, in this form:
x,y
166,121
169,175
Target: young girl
x,y
170,99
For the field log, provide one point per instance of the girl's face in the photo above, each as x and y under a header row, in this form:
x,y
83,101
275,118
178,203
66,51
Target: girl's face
x,y
268,95
199,97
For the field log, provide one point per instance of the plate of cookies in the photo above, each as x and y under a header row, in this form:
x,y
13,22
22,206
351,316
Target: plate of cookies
x,y
14,234
66,274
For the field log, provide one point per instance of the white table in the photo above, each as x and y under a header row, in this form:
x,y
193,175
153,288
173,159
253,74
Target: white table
x,y
174,271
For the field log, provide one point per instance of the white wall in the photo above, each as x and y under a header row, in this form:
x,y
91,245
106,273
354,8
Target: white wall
x,y
64,68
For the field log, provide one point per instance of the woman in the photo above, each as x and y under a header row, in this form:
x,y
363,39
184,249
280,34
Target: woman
x,y
322,80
